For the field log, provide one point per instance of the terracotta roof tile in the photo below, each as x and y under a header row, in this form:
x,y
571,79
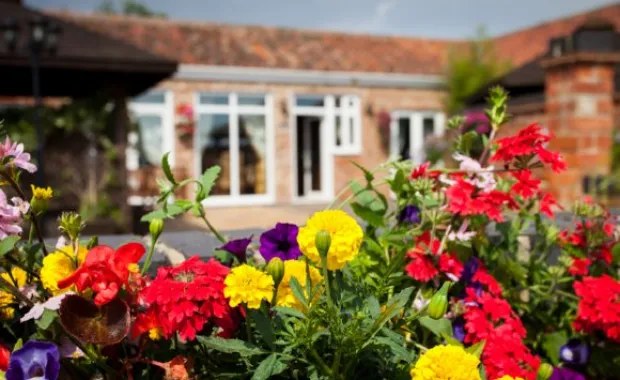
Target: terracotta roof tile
x,y
526,44
257,46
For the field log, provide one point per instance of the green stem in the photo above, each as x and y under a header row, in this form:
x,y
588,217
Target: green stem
x,y
149,257
326,279
248,327
320,362
219,237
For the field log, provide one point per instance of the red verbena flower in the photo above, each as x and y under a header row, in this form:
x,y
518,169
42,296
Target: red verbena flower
x,y
579,267
526,186
104,271
464,199
599,306
451,266
187,297
528,142
420,171
421,267
546,202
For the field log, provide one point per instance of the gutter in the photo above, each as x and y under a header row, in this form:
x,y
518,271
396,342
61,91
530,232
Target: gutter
x,y
306,77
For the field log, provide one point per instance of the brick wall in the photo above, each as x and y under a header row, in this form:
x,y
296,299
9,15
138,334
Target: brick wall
x,y
373,152
580,112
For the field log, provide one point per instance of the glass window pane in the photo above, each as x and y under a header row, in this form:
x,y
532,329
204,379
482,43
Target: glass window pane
x,y
214,99
251,100
404,130
338,130
351,122
428,125
310,101
151,97
150,137
214,145
252,154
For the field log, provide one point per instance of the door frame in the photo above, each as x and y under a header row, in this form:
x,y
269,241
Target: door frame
x,y
327,114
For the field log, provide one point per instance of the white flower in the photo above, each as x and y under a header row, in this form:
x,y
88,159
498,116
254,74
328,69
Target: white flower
x,y
483,177
462,234
51,304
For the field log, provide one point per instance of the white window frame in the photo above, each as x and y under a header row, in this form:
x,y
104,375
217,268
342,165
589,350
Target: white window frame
x,y
164,110
349,113
233,110
416,133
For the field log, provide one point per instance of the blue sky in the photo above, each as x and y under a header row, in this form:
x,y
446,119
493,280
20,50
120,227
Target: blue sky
x,y
424,18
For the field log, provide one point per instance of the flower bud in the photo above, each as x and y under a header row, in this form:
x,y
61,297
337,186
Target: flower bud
x,y
71,224
322,241
438,306
155,228
275,268
545,371
40,199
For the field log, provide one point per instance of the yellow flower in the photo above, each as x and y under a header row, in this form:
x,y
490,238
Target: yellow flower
x,y
18,278
346,237
509,378
58,265
297,269
41,193
133,268
155,333
248,285
446,363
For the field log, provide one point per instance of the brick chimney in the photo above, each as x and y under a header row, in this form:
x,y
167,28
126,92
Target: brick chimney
x,y
579,103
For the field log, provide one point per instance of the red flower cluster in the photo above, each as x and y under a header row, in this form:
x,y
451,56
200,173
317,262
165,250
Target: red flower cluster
x,y
422,267
186,297
528,142
592,239
465,199
526,186
490,318
104,271
599,306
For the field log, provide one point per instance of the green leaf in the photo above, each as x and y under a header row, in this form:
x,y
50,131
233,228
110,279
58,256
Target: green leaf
x,y
157,214
207,180
451,341
223,257
397,349
373,218
230,346
165,165
366,197
374,308
47,318
439,327
272,365
19,344
483,373
7,244
263,325
552,343
476,349
298,291
289,311
169,211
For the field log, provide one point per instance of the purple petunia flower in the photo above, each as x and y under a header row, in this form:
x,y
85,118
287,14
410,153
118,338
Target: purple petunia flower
x,y
36,360
458,329
280,242
410,214
566,374
575,352
238,247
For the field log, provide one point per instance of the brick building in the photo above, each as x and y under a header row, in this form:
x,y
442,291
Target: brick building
x,y
284,112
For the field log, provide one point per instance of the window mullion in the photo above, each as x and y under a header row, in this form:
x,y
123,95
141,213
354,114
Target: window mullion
x,y
234,146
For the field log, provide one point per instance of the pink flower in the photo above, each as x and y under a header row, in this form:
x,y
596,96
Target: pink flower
x,y
482,177
10,216
20,158
462,234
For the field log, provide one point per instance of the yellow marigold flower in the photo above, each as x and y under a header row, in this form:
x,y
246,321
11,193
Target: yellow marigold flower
x,y
509,378
248,285
446,363
297,269
346,237
18,278
41,193
58,265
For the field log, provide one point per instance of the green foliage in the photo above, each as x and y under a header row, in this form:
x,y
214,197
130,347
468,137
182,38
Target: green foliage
x,y
129,8
469,69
